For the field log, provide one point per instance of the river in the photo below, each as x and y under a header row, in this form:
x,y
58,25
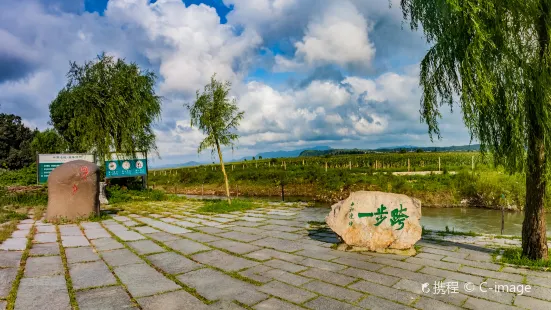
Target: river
x,y
477,220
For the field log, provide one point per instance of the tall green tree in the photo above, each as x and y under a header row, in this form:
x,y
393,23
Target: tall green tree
x,y
492,57
48,142
15,142
217,116
107,106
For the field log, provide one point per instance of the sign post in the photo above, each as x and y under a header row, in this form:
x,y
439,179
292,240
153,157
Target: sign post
x,y
48,162
126,166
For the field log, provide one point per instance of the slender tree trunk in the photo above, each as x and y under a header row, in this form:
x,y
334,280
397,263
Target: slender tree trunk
x,y
534,239
224,172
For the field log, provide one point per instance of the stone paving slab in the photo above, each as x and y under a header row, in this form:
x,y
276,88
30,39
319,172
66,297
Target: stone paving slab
x,y
45,229
283,265
120,257
43,266
139,277
240,236
22,233
328,303
113,297
96,233
187,246
173,263
286,292
45,237
80,255
173,229
45,293
291,266
146,247
223,261
234,246
107,244
74,241
86,275
172,301
214,285
163,236
127,235
201,237
328,276
10,259
145,229
333,291
276,304
14,244
70,230
377,303
7,275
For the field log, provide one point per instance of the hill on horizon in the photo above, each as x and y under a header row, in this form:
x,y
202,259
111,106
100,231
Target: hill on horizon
x,y
394,149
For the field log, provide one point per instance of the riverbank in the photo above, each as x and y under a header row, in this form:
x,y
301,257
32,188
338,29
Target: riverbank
x,y
482,189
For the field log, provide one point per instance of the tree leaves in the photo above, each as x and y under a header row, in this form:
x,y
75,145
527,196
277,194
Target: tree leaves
x,y
484,57
216,115
107,106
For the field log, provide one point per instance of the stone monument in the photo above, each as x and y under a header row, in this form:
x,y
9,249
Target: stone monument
x,y
377,221
73,191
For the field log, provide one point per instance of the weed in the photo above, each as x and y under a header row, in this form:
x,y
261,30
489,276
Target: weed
x,y
222,206
514,256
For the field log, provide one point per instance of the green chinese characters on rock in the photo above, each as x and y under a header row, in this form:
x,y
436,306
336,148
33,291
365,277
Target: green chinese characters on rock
x,y
397,216
351,215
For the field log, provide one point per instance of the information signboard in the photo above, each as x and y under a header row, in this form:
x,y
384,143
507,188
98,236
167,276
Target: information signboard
x,y
48,162
123,166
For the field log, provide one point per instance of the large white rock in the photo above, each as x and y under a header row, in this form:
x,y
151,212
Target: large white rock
x,y
377,220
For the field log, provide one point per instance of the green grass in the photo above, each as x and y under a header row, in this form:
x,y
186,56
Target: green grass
x,y
117,194
514,256
7,229
222,206
23,199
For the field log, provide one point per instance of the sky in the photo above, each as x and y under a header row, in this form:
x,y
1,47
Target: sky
x,y
307,73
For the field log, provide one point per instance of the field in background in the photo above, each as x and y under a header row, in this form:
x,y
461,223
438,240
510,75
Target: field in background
x,y
474,182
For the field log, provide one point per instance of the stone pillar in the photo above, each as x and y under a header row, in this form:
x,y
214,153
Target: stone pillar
x,y
102,194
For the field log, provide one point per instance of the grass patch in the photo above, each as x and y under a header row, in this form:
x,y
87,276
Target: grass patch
x,y
10,300
448,232
514,256
117,194
222,206
68,281
7,229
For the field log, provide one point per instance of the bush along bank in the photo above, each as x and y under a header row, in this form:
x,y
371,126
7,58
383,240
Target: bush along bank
x,y
485,187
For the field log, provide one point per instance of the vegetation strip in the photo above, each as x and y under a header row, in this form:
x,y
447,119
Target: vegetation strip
x,y
119,282
68,280
15,286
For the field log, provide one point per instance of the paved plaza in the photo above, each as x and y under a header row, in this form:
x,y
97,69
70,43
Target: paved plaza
x,y
168,256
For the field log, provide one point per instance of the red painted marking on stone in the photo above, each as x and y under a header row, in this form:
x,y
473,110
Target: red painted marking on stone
x,y
75,188
84,172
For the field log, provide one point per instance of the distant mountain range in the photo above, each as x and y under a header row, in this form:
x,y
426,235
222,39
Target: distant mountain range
x,y
394,149
326,150
282,154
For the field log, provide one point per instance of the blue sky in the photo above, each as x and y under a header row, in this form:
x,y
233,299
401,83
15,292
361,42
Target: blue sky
x,y
306,72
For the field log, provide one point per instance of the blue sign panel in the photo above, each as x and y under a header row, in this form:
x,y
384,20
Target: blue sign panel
x,y
124,168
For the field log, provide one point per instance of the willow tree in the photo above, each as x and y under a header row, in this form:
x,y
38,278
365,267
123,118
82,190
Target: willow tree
x,y
492,58
217,116
107,106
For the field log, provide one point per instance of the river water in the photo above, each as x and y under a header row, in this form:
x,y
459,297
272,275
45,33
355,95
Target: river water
x,y
477,220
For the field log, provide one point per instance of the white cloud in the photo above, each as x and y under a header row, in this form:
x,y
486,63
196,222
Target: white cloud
x,y
188,43
339,36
